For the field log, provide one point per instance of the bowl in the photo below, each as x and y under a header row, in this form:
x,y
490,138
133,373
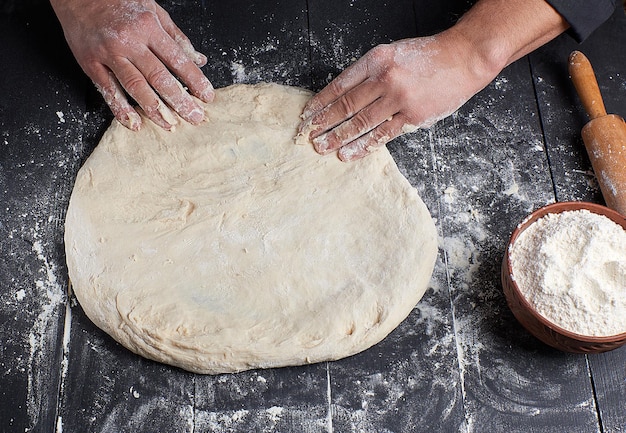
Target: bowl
x,y
546,331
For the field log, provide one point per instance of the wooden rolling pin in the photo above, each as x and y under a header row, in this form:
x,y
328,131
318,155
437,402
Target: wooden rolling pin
x,y
604,135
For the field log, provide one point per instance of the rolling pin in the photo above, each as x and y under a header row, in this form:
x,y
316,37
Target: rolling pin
x,y
604,135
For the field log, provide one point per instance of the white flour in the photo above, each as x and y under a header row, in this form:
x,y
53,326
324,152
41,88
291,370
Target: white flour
x,y
571,267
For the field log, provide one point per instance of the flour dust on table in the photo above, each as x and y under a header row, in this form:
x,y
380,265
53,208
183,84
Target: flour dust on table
x,y
228,246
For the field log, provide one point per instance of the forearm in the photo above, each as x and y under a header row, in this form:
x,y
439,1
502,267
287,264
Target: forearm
x,y
498,32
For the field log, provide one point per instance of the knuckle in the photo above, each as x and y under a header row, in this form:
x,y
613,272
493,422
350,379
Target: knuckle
x,y
379,52
360,123
347,105
381,135
414,117
417,116
133,84
160,78
92,67
392,74
161,13
336,87
147,18
377,59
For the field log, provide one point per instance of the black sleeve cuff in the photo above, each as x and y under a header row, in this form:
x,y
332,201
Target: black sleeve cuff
x,y
584,16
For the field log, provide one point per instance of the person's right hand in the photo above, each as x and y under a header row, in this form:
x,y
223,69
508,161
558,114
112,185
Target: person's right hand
x,y
133,46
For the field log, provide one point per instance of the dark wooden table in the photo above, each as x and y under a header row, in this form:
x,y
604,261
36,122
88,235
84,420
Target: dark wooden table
x,y
460,362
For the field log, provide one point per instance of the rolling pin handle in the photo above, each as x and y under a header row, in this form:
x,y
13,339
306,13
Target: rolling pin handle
x,y
586,84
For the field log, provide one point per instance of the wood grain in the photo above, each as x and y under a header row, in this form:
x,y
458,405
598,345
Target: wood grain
x,y
460,362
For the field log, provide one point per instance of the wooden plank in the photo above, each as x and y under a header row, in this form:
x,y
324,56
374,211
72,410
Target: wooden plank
x,y
285,400
248,42
434,16
37,107
409,381
109,389
460,362
609,381
106,388
493,164
341,32
563,118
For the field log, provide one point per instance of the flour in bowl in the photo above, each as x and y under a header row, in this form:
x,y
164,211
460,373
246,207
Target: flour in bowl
x,y
571,267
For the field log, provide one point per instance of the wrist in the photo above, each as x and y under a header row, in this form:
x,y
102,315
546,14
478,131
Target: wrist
x,y
486,53
480,59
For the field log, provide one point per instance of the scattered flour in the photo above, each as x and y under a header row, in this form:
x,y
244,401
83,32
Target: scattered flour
x,y
571,267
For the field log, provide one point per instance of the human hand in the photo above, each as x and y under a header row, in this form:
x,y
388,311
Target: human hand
x,y
391,90
414,83
134,46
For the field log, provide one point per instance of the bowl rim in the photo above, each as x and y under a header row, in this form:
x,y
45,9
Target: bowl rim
x,y
559,207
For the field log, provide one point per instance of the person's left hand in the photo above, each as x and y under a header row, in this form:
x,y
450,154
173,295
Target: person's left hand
x,y
391,90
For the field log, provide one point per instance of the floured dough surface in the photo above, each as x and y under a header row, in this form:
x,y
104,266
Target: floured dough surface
x,y
226,246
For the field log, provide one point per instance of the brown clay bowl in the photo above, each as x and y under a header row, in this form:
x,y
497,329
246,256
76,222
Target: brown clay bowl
x,y
530,319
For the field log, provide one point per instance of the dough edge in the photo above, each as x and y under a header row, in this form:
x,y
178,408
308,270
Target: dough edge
x,y
167,350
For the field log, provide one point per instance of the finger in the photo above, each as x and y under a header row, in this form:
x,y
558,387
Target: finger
x,y
179,37
170,53
114,96
134,82
345,81
374,139
168,87
356,126
343,108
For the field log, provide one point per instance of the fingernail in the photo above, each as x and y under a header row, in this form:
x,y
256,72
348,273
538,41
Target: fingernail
x,y
130,120
321,144
133,121
199,58
167,114
310,109
306,112
356,150
207,94
408,128
196,115
349,153
305,127
344,155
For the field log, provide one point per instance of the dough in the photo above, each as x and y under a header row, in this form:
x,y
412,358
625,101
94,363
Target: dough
x,y
227,246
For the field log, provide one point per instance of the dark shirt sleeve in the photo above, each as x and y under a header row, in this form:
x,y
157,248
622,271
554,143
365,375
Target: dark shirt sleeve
x,y
584,16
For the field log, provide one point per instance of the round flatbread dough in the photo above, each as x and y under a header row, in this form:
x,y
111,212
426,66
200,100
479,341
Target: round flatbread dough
x,y
227,246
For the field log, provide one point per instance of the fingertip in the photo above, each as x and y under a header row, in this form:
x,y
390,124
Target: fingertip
x,y
357,150
322,144
347,154
196,116
207,94
120,107
161,116
199,59
132,120
310,109
305,127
